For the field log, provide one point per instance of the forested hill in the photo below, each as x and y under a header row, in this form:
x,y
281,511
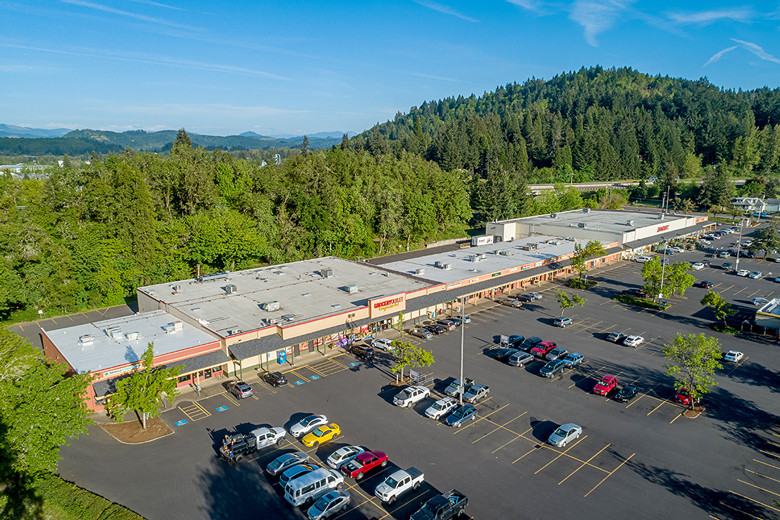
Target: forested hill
x,y
595,124
84,142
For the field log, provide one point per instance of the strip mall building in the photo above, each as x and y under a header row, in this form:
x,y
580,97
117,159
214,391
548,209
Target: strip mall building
x,y
259,319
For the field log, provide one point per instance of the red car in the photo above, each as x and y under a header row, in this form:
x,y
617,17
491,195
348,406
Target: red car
x,y
542,348
605,386
683,396
364,463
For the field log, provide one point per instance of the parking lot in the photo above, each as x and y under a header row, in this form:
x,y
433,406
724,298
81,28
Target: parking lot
x,y
641,457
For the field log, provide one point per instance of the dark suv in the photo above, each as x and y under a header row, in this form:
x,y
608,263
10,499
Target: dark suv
x,y
362,352
275,378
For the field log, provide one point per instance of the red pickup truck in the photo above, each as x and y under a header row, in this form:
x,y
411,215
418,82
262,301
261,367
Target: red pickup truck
x,y
363,463
542,348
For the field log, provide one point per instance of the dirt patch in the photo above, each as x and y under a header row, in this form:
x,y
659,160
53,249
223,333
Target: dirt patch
x,y
693,414
131,432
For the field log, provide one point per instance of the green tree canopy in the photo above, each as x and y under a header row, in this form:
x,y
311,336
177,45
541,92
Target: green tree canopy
x,y
143,390
566,300
720,307
692,361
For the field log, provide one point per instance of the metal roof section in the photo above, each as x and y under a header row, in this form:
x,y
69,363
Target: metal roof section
x,y
102,345
503,257
280,295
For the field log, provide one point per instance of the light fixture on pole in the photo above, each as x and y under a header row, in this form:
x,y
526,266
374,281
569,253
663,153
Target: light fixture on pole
x,y
663,269
462,336
739,244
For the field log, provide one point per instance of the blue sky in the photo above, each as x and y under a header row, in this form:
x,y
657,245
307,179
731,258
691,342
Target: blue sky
x,y
308,66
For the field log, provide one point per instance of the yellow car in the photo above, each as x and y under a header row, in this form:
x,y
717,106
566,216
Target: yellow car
x,y
321,435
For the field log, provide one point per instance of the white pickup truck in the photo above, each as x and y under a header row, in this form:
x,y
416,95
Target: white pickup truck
x,y
411,395
399,483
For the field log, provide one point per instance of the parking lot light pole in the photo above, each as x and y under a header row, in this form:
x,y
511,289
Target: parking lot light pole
x,y
663,269
462,336
739,245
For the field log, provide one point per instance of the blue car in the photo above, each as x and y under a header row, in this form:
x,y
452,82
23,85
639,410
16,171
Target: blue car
x,y
465,413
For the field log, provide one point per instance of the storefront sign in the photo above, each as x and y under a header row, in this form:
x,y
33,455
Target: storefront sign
x,y
495,274
701,219
387,305
453,285
121,370
513,270
528,266
539,264
661,229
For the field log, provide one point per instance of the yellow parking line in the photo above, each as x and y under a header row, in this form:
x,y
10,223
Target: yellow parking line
x,y
766,464
584,464
561,454
517,436
499,427
677,417
770,454
610,474
400,506
758,487
538,447
756,501
736,293
480,418
657,407
230,398
761,475
740,511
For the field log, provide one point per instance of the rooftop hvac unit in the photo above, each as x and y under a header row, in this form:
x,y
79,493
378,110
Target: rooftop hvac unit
x,y
175,288
280,273
231,288
273,321
132,336
327,272
336,306
482,256
351,288
581,225
168,328
446,267
503,252
222,275
553,215
178,325
419,271
288,317
270,306
438,263
233,332
586,210
630,223
86,339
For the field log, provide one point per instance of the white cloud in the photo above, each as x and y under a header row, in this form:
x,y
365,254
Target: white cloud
x,y
127,14
156,4
445,9
597,16
718,55
531,5
757,50
708,17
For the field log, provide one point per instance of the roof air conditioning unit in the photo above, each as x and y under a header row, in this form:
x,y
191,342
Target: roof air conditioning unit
x,y
233,332
586,210
114,332
351,288
86,339
438,263
178,325
132,336
288,317
581,225
447,267
419,271
327,272
271,306
553,215
168,328
231,288
630,223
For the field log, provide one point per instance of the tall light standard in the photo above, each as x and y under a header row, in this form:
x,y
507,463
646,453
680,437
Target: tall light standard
x,y
739,243
462,336
663,270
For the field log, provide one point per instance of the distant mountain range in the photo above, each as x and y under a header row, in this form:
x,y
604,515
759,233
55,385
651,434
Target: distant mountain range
x,y
19,140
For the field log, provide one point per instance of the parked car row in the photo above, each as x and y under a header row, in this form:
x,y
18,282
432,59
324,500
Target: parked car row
x,y
428,331
558,358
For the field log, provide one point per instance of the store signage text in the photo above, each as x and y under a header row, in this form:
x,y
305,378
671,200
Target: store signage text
x,y
389,303
663,228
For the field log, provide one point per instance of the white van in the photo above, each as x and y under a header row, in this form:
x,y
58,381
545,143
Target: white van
x,y
304,488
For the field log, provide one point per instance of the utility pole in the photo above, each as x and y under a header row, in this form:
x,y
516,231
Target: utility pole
x,y
462,336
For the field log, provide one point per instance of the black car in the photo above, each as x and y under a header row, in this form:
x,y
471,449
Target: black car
x,y
436,329
626,393
275,378
705,284
529,343
639,293
502,354
362,352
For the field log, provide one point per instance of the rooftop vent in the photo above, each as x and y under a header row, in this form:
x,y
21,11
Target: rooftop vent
x,y
351,288
175,289
177,325
222,275
231,288
446,267
336,306
114,332
326,272
288,317
86,339
553,215
132,336
270,306
581,225
419,271
305,294
233,332
586,210
630,223
438,263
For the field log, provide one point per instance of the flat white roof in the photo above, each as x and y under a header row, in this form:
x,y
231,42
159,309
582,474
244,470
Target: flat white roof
x,y
610,221
111,345
504,257
304,291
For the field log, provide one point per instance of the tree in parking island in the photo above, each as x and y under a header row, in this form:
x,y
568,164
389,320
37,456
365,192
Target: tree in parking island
x,y
142,391
579,261
410,355
720,307
766,239
673,279
565,300
693,359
